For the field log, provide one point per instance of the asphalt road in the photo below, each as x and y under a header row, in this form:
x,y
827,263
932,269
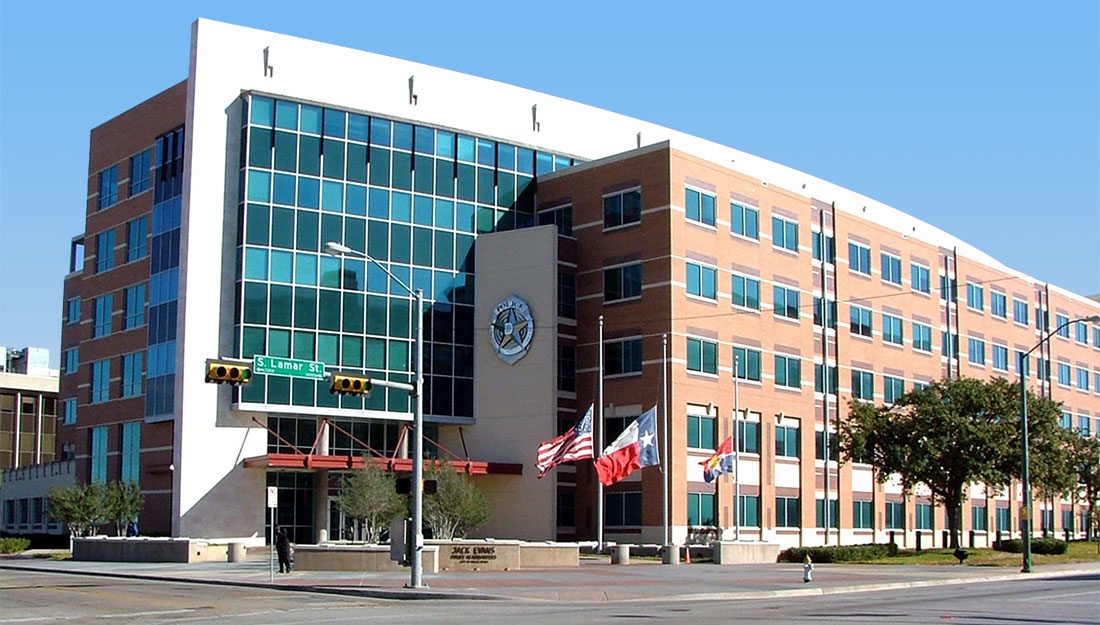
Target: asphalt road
x,y
29,597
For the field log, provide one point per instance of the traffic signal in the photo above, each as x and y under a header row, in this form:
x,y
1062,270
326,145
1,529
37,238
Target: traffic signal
x,y
228,371
350,384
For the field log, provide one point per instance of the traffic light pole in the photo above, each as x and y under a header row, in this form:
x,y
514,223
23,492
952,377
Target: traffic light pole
x,y
416,389
416,578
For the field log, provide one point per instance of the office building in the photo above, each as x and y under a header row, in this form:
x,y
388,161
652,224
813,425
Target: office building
x,y
210,206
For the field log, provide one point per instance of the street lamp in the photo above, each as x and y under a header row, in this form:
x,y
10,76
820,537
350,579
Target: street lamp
x,y
416,579
1026,472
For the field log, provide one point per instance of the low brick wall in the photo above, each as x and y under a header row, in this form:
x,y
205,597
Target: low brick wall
x,y
725,552
544,555
463,555
141,549
345,557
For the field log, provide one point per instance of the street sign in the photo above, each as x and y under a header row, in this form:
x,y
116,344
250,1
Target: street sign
x,y
272,496
288,367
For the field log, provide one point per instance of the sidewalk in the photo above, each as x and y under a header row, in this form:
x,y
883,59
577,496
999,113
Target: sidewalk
x,y
592,581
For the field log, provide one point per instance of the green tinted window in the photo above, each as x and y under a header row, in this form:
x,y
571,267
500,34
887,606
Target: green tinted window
x,y
327,349
328,310
422,210
355,200
486,190
400,243
444,249
286,151
303,345
378,240
278,343
422,247
282,266
259,186
305,307
262,110
425,173
353,312
467,182
286,115
305,269
506,189
309,155
281,305
257,224
355,233
401,207
351,351
284,191
255,303
402,170
259,148
376,353
380,167
332,196
376,314
445,178
303,392
357,162
486,220
282,227
278,390
306,238
399,318
334,159
253,341
332,229
309,192
399,355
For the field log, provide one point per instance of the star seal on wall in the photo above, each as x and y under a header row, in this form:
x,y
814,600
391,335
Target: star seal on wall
x,y
511,329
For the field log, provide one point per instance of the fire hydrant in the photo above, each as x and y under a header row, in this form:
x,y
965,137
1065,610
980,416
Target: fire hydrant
x,y
807,570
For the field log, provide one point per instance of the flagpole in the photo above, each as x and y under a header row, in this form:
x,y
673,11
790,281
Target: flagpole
x,y
736,450
664,446
599,441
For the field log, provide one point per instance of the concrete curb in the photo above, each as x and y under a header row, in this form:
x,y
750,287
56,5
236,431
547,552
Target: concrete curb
x,y
406,594
838,590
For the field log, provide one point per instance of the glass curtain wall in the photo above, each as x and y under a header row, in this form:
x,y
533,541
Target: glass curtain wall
x,y
412,197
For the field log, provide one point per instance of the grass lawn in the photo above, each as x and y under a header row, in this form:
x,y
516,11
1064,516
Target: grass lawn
x,y
1078,552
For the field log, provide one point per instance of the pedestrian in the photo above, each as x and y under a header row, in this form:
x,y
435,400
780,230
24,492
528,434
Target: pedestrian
x,y
282,548
131,529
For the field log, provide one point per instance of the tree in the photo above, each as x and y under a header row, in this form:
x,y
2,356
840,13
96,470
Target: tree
x,y
82,508
124,502
370,495
64,505
457,507
946,435
1085,457
1049,445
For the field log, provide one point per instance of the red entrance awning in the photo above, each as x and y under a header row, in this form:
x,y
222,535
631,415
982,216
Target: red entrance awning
x,y
313,462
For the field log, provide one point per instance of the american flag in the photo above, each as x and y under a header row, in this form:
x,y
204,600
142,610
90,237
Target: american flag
x,y
576,444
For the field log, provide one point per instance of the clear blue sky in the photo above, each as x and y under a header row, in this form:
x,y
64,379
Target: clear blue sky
x,y
982,118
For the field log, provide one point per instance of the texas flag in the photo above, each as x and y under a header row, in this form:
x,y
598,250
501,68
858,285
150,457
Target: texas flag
x,y
635,448
720,462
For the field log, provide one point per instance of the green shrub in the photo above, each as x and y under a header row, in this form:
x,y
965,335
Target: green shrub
x,y
1044,546
842,553
14,545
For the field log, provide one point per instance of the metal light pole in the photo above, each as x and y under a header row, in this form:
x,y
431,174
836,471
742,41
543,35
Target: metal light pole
x,y
416,578
736,449
1025,473
666,539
